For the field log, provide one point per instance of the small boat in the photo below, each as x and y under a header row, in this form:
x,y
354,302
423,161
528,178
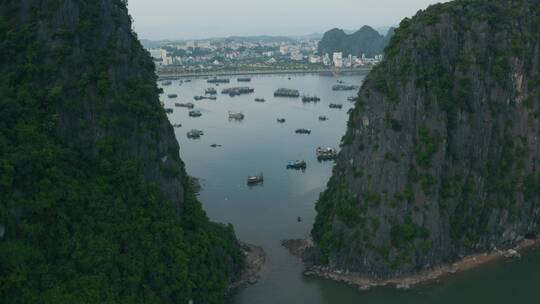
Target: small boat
x,y
166,83
211,98
299,219
236,116
215,145
281,120
198,97
307,98
297,165
326,153
210,91
177,125
188,105
254,180
340,82
260,100
323,118
352,98
187,80
171,96
335,106
169,111
303,131
195,134
244,79
195,113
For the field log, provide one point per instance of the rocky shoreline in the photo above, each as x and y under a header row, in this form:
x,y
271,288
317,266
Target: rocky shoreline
x,y
255,259
297,248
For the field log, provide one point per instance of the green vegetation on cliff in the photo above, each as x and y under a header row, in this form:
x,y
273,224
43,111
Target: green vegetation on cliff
x,y
95,205
445,132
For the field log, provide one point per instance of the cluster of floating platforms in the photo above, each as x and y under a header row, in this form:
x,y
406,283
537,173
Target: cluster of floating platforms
x,y
237,91
210,91
218,80
236,116
287,93
204,97
343,87
188,105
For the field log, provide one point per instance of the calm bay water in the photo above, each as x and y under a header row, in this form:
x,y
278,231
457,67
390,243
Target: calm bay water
x,y
267,214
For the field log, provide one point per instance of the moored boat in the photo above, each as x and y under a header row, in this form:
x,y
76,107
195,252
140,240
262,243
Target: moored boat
x,y
303,131
256,179
335,106
236,116
326,153
171,96
195,113
195,134
297,165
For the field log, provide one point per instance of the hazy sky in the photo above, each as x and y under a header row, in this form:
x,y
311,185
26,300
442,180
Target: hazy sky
x,y
187,19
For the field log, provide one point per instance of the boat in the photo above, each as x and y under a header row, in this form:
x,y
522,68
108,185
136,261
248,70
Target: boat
x,y
236,116
211,98
210,91
237,91
187,80
343,87
287,93
198,97
335,106
195,113
177,125
195,134
340,82
307,98
299,219
215,145
352,98
169,111
166,83
172,95
260,100
297,165
256,179
281,120
218,80
244,79
326,153
188,105
323,118
303,131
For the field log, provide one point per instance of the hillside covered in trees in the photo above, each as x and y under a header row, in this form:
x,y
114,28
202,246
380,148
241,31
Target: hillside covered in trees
x,y
95,204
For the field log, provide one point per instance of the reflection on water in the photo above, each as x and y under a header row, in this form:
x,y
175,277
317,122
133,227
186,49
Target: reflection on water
x,y
267,214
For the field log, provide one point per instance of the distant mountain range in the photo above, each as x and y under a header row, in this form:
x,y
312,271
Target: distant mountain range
x,y
262,38
366,41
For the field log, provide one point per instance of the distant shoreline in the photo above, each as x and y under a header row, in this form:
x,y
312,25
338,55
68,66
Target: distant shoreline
x,y
297,248
173,76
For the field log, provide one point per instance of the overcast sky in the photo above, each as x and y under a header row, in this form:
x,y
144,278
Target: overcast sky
x,y
189,19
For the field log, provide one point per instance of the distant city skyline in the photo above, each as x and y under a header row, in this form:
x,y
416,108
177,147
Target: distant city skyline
x,y
175,20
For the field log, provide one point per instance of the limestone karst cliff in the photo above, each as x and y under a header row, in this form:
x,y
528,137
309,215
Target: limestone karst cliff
x,y
440,156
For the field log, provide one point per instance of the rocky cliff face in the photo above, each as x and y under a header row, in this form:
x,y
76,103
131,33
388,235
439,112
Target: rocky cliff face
x,y
440,156
95,204
364,41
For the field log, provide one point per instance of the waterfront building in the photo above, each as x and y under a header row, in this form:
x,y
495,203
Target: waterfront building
x,y
338,59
